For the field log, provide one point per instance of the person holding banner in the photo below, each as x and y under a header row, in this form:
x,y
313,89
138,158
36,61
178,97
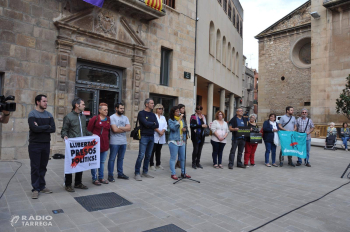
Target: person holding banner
x,y
237,141
148,123
41,125
250,148
287,123
271,141
220,131
100,125
305,125
74,125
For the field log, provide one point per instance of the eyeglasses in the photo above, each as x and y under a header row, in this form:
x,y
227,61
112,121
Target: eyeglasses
x,y
160,108
304,112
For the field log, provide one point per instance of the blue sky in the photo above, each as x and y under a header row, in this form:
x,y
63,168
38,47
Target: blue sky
x,y
259,15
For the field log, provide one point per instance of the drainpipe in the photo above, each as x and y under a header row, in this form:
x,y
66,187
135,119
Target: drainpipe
x,y
195,61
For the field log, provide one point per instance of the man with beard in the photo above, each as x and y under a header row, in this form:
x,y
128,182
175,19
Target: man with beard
x,y
287,123
119,126
41,124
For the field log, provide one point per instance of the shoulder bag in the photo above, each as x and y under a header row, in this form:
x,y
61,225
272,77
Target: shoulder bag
x,y
136,132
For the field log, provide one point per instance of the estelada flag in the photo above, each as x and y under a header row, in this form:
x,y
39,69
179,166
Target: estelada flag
x,y
98,3
156,4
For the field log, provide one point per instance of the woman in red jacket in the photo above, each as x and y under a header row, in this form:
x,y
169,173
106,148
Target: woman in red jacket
x,y
100,125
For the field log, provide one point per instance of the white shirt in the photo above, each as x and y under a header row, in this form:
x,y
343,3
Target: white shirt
x,y
163,125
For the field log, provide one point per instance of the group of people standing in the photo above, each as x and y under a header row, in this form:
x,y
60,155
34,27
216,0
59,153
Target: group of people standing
x,y
153,127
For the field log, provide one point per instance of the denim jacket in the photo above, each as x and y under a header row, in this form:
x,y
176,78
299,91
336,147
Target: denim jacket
x,y
174,127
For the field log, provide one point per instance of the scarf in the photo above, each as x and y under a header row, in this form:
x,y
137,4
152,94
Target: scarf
x,y
276,139
181,124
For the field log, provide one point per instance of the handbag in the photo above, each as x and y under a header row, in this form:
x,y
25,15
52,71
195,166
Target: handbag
x,y
136,132
206,131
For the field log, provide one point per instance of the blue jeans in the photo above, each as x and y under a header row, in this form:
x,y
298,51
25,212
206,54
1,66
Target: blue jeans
x,y
103,156
174,150
345,141
308,146
218,148
270,147
113,151
145,151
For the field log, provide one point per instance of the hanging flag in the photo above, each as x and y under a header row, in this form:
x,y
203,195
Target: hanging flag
x,y
156,4
98,3
293,143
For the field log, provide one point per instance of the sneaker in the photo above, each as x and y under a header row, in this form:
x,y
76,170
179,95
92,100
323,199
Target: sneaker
x,y
247,166
298,164
153,168
70,189
268,165
147,175
308,165
81,186
138,177
35,194
124,177
111,179
253,165
342,146
159,167
174,177
46,190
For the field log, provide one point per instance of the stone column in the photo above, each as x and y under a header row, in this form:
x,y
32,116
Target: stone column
x,y
232,106
222,100
210,103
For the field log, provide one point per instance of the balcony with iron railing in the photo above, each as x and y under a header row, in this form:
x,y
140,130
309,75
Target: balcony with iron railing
x,y
139,9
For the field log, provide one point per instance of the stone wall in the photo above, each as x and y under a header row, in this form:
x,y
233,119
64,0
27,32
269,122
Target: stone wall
x,y
42,40
330,60
274,63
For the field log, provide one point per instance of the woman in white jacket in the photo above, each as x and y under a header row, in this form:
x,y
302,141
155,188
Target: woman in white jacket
x,y
159,136
220,131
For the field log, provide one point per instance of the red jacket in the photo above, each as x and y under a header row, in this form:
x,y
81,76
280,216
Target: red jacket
x,y
96,128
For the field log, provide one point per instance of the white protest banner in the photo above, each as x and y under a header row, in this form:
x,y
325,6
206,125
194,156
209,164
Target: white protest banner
x,y
82,153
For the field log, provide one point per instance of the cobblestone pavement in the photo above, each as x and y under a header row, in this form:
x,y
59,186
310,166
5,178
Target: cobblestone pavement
x,y
225,200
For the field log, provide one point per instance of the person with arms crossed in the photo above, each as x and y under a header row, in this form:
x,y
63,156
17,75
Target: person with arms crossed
x,y
148,123
119,126
41,125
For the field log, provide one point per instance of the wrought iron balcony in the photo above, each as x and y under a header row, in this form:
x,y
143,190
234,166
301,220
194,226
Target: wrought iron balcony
x,y
138,9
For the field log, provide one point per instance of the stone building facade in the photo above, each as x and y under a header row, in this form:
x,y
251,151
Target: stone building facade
x,y
304,60
285,64
121,52
248,90
219,62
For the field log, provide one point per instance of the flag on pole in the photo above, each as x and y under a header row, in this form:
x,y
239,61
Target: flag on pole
x,y
98,3
156,4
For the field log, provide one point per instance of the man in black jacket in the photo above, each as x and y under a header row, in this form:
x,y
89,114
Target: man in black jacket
x,y
41,124
148,123
237,121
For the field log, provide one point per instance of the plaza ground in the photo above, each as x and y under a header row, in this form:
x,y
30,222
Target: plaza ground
x,y
225,200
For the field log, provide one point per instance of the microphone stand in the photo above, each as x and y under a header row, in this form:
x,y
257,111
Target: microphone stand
x,y
346,171
184,178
